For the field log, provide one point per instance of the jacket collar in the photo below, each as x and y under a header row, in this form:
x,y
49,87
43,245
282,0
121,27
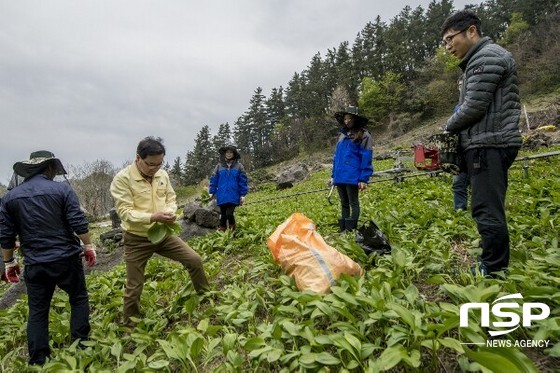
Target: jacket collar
x,y
475,48
135,172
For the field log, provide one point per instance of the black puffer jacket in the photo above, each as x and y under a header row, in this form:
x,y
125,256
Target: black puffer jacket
x,y
489,110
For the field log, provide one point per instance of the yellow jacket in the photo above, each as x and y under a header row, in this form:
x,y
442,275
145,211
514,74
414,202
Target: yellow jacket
x,y
136,199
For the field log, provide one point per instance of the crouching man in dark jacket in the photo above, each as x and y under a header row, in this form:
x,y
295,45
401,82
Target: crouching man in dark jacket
x,y
47,218
487,123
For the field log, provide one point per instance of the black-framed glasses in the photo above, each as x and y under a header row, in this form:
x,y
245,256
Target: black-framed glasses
x,y
449,39
152,165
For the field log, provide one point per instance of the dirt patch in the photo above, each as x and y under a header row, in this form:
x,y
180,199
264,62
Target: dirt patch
x,y
106,260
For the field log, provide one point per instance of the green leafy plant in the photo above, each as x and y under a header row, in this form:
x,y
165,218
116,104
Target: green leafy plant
x,y
159,231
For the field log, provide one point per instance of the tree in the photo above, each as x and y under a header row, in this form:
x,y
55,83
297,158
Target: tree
x,y
260,129
275,106
176,172
373,49
382,99
92,182
436,14
295,102
315,91
198,162
515,29
340,100
346,76
221,139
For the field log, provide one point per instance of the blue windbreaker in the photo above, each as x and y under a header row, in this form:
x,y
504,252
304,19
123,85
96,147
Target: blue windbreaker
x,y
352,162
228,183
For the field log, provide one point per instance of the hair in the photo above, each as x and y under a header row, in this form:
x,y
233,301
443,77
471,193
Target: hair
x,y
150,146
461,20
50,170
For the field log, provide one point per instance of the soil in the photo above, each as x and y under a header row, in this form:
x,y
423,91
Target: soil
x,y
106,260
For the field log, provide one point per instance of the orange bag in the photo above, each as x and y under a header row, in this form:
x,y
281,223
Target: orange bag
x,y
302,253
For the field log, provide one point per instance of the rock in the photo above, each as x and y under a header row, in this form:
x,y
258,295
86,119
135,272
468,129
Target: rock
x,y
189,210
207,218
537,140
191,229
115,220
292,175
112,235
284,185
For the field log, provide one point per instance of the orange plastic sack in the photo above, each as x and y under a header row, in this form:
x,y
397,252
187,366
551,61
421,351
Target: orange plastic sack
x,y
302,253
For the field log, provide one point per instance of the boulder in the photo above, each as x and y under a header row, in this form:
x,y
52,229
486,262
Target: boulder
x,y
112,235
191,229
189,210
207,218
115,220
537,140
292,175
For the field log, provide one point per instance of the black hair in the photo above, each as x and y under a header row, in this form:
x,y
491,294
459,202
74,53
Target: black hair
x,y
461,20
150,146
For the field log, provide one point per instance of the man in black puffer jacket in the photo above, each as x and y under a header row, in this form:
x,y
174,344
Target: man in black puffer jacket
x,y
487,123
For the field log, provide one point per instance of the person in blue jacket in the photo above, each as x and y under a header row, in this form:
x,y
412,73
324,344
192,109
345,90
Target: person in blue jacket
x,y
228,185
352,164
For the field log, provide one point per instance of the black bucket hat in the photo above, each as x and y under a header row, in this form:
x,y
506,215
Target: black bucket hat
x,y
37,162
225,148
360,120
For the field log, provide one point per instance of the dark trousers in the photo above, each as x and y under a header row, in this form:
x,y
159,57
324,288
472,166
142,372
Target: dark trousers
x,y
460,190
349,201
41,280
488,172
226,214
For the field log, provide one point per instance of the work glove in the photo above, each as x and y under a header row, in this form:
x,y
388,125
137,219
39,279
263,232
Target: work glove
x,y
12,271
212,196
89,254
330,183
241,200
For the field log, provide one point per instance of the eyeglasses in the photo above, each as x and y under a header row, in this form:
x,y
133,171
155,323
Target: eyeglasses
x,y
152,165
449,39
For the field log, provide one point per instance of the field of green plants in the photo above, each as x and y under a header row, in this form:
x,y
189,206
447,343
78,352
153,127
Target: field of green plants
x,y
402,315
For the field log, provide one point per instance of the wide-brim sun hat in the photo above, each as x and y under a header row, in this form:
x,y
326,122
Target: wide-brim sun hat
x,y
359,121
37,162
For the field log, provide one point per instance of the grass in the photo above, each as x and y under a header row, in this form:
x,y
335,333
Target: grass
x,y
401,315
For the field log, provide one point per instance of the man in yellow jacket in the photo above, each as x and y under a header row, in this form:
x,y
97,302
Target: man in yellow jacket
x,y
143,196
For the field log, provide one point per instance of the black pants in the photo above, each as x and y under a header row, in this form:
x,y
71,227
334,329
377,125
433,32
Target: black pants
x,y
488,172
41,280
349,200
226,214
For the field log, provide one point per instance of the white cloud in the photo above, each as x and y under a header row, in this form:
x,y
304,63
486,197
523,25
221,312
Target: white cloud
x,y
88,79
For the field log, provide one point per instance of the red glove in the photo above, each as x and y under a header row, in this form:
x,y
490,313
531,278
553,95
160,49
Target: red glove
x,y
12,271
89,254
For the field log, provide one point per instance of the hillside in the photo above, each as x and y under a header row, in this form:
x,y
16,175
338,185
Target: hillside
x,y
402,315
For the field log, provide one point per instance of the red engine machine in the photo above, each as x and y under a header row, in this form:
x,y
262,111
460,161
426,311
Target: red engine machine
x,y
426,158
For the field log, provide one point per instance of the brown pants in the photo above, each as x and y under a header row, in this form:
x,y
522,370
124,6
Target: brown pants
x,y
137,251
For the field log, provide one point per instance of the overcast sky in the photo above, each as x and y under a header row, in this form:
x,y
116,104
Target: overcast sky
x,y
88,79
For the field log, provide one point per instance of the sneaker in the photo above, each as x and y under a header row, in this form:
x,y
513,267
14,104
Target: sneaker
x,y
482,270
475,270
